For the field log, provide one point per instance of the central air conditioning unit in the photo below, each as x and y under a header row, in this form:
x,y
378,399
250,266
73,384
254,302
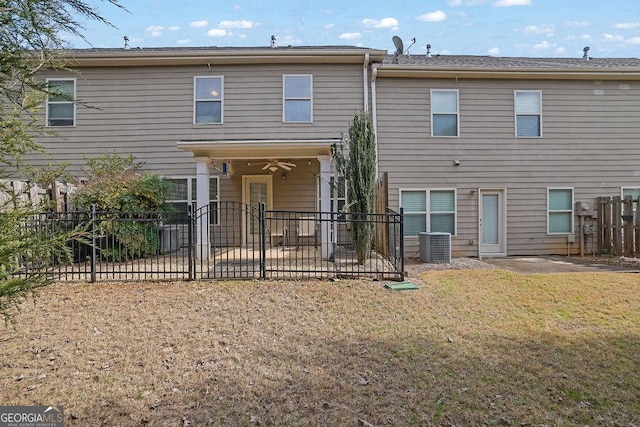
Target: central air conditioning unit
x,y
435,247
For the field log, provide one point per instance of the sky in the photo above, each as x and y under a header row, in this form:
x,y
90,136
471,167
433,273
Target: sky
x,y
534,28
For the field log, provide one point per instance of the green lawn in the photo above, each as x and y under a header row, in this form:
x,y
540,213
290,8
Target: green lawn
x,y
467,348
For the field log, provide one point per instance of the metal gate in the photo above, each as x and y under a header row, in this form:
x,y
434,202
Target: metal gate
x,y
227,241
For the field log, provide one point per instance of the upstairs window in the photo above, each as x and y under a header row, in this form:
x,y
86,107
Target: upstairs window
x,y
444,113
297,99
61,108
560,211
208,100
528,109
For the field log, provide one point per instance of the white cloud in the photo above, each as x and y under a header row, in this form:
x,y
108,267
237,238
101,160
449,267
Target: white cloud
x,y
184,41
586,37
634,40
454,3
494,51
350,36
174,28
507,3
612,38
242,36
560,50
578,24
289,39
626,25
542,46
198,24
547,30
244,24
218,32
154,30
436,16
328,26
383,23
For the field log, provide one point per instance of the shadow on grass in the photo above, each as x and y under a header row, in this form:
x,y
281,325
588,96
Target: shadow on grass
x,y
426,380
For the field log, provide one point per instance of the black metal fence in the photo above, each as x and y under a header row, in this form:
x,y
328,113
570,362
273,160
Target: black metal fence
x,y
227,240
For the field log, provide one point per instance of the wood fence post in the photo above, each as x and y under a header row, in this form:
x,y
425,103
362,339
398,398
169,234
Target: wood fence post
x,y
599,209
637,228
617,224
627,216
606,219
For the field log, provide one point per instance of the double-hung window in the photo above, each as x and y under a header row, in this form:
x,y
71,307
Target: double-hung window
x,y
208,100
560,210
634,192
444,113
528,111
61,108
183,193
428,210
338,195
297,94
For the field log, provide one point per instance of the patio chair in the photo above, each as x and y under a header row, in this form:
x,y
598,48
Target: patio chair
x,y
278,235
306,230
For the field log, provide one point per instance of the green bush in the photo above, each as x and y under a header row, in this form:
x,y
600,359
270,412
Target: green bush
x,y
124,196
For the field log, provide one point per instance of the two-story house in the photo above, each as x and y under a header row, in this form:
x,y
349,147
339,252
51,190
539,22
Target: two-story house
x,y
225,124
500,151
495,151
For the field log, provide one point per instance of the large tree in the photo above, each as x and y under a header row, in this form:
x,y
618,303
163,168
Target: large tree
x,y
359,168
32,38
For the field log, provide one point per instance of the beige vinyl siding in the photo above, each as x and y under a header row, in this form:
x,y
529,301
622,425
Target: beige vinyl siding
x,y
590,143
146,110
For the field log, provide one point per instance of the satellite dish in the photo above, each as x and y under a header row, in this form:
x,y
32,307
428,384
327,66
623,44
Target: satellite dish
x,y
397,42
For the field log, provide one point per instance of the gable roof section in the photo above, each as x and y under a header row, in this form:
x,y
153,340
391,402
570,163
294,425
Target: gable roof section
x,y
489,67
106,57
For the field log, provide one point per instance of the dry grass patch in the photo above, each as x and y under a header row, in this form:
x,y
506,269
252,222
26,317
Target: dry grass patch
x,y
469,347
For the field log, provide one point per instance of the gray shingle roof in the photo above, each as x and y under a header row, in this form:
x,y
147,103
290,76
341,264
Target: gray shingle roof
x,y
470,61
214,49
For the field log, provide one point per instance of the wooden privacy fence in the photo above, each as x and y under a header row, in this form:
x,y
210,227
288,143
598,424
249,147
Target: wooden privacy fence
x,y
618,226
381,231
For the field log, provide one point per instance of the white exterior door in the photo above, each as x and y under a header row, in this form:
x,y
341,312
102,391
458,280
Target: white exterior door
x,y
492,223
256,189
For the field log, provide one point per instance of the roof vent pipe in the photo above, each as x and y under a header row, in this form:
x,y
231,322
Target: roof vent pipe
x,y
273,42
428,50
585,56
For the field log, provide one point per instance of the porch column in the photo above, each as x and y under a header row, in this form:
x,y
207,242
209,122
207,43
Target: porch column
x,y
202,206
325,205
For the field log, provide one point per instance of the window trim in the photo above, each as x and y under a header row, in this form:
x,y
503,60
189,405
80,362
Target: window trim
x,y
515,113
457,112
428,212
196,100
572,211
75,88
334,197
635,203
191,183
285,99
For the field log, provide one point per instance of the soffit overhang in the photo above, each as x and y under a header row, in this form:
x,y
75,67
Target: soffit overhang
x,y
134,57
259,149
408,71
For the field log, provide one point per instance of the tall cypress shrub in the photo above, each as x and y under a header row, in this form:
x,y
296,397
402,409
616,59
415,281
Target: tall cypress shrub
x,y
358,167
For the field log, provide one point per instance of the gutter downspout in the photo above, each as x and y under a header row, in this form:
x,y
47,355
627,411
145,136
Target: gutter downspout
x,y
365,80
374,109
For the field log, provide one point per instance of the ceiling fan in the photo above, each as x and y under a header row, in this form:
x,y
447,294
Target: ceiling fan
x,y
274,164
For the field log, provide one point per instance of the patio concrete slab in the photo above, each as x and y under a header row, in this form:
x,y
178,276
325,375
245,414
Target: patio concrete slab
x,y
553,264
